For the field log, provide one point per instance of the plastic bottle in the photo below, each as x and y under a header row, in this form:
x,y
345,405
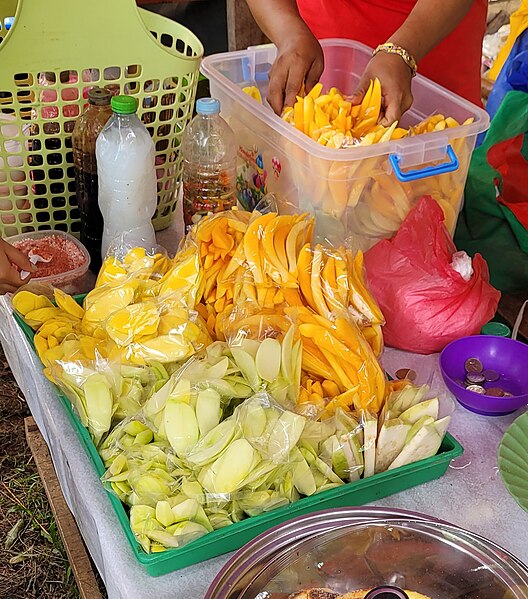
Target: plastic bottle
x,y
209,163
127,178
85,133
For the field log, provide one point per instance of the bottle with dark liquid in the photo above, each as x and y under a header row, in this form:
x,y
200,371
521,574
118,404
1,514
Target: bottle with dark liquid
x,y
85,133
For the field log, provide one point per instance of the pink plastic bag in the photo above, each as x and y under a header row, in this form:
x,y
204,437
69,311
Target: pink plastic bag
x,y
426,302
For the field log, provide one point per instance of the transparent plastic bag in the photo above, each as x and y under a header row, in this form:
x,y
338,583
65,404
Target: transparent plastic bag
x,y
411,426
336,351
332,283
266,346
102,392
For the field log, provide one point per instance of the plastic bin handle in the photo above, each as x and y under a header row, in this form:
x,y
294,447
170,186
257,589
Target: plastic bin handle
x,y
426,171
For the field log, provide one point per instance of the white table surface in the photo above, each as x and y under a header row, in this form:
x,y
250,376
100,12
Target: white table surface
x,y
470,495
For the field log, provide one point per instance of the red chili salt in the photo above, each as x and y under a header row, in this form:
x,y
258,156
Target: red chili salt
x,y
64,254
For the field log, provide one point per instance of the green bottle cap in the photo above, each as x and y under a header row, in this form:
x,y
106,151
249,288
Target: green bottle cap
x,y
496,328
124,104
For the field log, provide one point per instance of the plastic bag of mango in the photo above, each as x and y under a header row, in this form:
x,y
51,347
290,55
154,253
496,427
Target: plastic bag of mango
x,y
151,309
338,368
140,311
267,259
261,270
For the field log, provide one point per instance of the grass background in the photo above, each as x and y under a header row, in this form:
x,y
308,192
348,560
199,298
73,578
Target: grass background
x,y
33,563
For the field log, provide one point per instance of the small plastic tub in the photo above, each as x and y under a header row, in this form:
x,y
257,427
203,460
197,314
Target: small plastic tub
x,y
498,329
74,280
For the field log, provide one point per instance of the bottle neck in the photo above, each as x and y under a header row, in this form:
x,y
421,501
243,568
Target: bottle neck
x,y
124,119
99,107
209,117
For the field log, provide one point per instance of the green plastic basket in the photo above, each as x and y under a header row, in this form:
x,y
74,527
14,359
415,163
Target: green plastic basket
x,y
54,52
235,536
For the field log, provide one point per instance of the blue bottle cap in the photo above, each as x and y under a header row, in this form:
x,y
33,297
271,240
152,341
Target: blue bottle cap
x,y
208,106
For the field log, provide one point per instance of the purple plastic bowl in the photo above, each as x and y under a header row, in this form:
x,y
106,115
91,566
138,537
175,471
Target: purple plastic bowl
x,y
507,357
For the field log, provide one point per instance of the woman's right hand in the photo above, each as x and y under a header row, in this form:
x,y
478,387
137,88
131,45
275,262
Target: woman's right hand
x,y
10,258
299,61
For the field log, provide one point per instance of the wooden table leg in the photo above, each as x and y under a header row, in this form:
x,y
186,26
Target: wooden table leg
x,y
242,31
71,537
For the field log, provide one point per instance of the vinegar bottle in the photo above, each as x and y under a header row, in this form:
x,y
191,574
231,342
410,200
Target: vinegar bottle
x,y
209,163
84,136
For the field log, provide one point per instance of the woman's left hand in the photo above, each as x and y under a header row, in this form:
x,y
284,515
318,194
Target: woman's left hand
x,y
395,78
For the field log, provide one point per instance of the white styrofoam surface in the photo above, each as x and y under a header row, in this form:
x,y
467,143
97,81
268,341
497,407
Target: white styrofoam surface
x,y
470,495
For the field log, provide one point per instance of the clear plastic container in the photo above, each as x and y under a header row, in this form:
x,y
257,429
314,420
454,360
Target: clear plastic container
x,y
209,163
364,192
74,281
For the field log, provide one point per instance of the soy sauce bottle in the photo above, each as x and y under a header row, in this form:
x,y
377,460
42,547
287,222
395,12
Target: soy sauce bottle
x,y
84,136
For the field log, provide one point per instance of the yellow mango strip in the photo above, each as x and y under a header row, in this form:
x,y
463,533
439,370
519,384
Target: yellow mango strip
x,y
279,246
330,389
272,264
38,317
330,287
295,241
251,245
298,114
315,92
26,301
308,113
314,365
320,303
253,92
67,304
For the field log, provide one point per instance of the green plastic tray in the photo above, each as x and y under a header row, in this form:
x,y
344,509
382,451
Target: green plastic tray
x,y
233,537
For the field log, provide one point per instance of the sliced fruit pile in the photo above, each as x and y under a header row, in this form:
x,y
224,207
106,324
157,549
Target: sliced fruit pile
x,y
188,463
138,313
375,202
333,121
234,269
233,379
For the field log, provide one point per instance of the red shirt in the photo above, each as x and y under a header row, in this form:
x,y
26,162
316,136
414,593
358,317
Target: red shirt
x,y
455,63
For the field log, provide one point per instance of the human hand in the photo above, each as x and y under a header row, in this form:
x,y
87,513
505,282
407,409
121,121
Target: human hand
x,y
10,258
299,61
395,78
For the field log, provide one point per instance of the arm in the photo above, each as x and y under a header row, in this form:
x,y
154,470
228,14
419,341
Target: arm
x,y
299,58
428,24
9,276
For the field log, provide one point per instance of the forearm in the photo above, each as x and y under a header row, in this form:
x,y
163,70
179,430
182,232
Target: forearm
x,y
277,19
428,24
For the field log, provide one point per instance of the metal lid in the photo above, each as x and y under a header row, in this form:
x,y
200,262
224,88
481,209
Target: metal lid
x,y
375,555
99,97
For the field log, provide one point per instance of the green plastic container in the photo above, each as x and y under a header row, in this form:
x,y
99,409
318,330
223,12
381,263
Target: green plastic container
x,y
235,536
496,328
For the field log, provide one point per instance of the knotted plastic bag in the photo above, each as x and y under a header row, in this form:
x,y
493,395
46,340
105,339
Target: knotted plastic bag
x,y
428,298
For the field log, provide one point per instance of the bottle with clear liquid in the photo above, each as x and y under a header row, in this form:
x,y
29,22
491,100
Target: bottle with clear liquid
x,y
84,136
127,177
209,163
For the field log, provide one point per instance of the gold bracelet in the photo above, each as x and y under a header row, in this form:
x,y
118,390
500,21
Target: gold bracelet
x,y
391,48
